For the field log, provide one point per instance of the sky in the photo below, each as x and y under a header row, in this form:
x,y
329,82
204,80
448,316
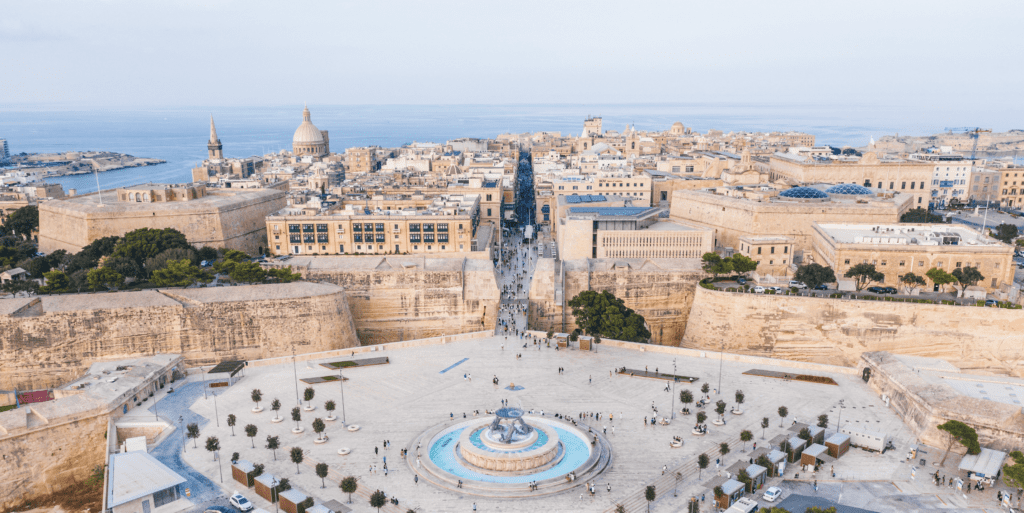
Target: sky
x,y
932,54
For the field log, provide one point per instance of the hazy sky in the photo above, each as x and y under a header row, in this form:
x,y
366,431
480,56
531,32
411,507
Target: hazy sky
x,y
933,54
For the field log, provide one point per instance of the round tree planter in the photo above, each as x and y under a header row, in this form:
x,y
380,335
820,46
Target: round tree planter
x,y
277,420
344,451
257,410
718,422
354,427
308,408
697,433
737,412
330,418
320,441
298,430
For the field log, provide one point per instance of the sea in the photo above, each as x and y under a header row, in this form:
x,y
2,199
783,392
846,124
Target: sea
x,y
179,135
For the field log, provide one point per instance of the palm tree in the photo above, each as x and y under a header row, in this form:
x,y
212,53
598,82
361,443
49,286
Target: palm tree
x,y
250,431
764,426
377,500
329,406
231,422
783,412
746,436
308,394
321,472
650,496
296,454
273,443
349,486
702,461
192,431
256,396
318,427
275,405
212,444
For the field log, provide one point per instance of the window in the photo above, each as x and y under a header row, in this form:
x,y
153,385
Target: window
x,y
664,195
307,227
442,237
922,185
759,251
771,262
903,263
958,264
460,226
911,185
321,237
358,237
380,227
367,227
308,238
293,228
380,238
903,186
939,265
883,262
847,262
689,169
165,496
785,250
428,237
321,227
277,237
414,237
428,227
773,250
488,212
295,239
442,227
488,197
546,217
891,184
357,227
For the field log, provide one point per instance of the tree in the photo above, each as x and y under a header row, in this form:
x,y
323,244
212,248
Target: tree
x,y
702,462
864,274
743,264
1005,233
604,315
818,509
329,406
1013,475
104,278
308,395
256,396
619,508
744,477
56,283
296,416
235,456
276,406
739,398
349,486
714,264
250,431
212,444
306,503
321,472
192,431
23,222
718,492
720,408
804,434
125,267
207,253
284,274
968,276
179,273
940,277
231,422
723,448
296,455
783,412
911,280
273,443
701,417
284,485
38,267
233,255
247,272
920,215
705,388
377,500
685,397
319,427
823,421
764,426
814,275
746,436
958,432
763,461
160,261
650,495
139,245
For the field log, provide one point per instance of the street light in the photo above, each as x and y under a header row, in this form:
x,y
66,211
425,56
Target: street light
x,y
342,382
220,466
204,383
296,371
216,415
273,492
674,379
181,427
721,357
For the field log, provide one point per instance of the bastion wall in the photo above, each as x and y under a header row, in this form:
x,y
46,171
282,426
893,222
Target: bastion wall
x,y
50,340
838,331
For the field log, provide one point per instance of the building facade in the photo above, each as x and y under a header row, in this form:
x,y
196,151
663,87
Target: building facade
x,y
627,232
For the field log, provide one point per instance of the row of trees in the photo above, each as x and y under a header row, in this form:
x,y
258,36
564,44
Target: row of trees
x,y
714,264
864,274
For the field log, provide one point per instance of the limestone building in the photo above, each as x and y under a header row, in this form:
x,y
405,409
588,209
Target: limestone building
x,y
1011,187
898,249
309,140
888,173
627,232
220,218
951,178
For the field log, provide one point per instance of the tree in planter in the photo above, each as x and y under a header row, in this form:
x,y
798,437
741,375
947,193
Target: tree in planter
x,y
231,422
701,417
702,462
321,472
911,280
720,408
250,431
319,427
863,274
349,485
765,462
257,470
212,445
256,397
329,406
957,431
940,277
814,275
273,443
284,485
685,397
739,399
723,448
377,500
967,276
764,426
296,416
650,495
307,395
705,388
276,406
823,421
746,436
296,455
783,413
192,431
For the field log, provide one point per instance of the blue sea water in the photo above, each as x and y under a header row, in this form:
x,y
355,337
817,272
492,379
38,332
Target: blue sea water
x,y
179,135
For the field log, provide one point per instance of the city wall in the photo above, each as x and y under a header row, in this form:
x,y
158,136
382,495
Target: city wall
x,y
49,340
661,290
404,298
838,331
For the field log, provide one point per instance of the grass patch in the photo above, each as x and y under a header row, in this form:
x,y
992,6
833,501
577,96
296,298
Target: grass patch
x,y
8,407
343,364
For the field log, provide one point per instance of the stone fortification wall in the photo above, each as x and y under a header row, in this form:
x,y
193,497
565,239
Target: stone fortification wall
x,y
838,331
403,298
50,340
659,289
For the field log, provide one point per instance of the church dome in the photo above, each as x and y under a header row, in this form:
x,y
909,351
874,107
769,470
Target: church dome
x,y
307,133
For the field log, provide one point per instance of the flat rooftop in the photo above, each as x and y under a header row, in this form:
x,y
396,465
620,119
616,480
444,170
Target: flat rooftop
x,y
907,235
670,226
1001,389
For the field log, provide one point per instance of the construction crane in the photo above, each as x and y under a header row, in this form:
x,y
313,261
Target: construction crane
x,y
972,131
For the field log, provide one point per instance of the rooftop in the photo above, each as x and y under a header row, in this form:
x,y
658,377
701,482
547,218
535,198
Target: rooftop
x,y
907,235
137,474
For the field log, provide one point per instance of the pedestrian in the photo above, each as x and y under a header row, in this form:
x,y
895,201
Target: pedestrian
x,y
375,451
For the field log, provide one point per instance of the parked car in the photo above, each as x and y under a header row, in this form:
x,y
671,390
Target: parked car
x,y
741,281
797,284
991,302
240,502
875,290
889,290
772,494
759,290
778,290
821,287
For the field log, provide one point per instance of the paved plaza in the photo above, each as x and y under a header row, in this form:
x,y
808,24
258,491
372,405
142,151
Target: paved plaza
x,y
399,400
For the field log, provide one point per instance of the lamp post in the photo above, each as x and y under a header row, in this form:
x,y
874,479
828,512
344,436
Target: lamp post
x,y
839,422
342,382
674,379
273,493
295,369
181,427
216,416
220,466
204,383
721,358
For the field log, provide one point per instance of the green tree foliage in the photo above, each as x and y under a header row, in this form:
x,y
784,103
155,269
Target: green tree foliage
x,y
306,503
275,405
308,394
746,436
160,261
179,273
247,272
723,448
744,477
257,469
284,485
377,500
296,455
714,264
911,280
814,274
319,427
602,314
968,276
1013,475
125,267
823,421
232,420
273,443
783,413
920,215
764,426
701,417
702,462
296,415
284,274
650,495
192,431
940,277
256,396
56,282
15,252
207,253
22,222
139,245
38,267
864,274
212,444
251,431
89,257
233,255
349,485
742,264
958,432
321,472
1005,232
104,278
685,396
804,434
